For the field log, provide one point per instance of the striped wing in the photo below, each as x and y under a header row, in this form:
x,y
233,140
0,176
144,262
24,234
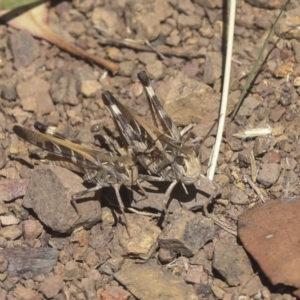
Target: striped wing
x,y
82,155
139,135
158,112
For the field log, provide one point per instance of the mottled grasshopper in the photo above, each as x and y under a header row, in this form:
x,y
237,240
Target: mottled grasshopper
x,y
160,151
100,168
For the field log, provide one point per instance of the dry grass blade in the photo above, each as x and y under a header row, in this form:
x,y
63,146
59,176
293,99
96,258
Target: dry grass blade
x,y
224,101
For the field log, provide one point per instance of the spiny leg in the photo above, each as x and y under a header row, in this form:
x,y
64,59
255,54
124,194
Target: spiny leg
x,y
212,196
146,177
167,197
79,195
121,206
145,194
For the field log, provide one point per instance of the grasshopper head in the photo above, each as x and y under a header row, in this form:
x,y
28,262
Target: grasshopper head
x,y
126,170
191,164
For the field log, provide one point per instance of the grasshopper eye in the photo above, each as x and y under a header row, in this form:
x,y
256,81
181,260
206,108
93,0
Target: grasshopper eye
x,y
120,167
179,160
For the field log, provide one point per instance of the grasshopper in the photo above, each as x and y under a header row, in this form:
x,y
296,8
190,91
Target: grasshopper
x,y
100,168
160,151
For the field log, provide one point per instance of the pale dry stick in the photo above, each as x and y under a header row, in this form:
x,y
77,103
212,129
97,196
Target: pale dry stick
x,y
160,55
146,214
140,46
223,224
216,148
255,188
253,167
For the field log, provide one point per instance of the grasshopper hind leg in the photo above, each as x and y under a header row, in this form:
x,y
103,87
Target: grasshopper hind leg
x,y
80,195
122,208
217,191
167,198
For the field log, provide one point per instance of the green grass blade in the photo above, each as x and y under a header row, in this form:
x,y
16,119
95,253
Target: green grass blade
x,y
256,65
12,4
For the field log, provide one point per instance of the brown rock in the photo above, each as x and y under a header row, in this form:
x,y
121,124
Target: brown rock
x,y
245,155
196,274
209,3
115,54
147,58
143,237
193,21
56,185
11,232
187,233
145,17
296,49
237,196
251,287
3,208
147,282
267,4
12,188
9,92
155,70
20,115
9,220
263,230
65,87
34,260
73,271
105,20
24,48
51,286
181,95
3,294
34,96
277,113
126,68
3,158
212,67
232,262
32,229
249,105
166,256
76,28
191,68
263,144
288,163
90,87
21,292
85,6
114,292
81,237
173,40
269,174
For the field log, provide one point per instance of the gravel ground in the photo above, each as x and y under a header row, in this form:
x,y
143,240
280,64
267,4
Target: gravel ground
x,y
248,247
